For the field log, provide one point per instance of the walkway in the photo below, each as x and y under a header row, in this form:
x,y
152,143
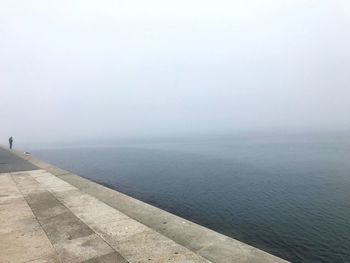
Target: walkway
x,y
45,219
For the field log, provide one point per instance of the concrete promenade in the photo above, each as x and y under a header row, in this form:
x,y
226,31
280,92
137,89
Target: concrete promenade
x,y
48,214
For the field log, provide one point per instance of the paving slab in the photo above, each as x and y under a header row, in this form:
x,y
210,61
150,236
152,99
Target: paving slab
x,y
8,189
10,162
24,245
73,240
64,227
22,238
82,205
46,259
109,258
82,249
135,241
26,183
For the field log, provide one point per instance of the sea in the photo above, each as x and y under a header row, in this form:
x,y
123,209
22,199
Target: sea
x,y
287,194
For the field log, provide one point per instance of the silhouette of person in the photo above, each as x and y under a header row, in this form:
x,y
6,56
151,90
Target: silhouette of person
x,y
10,142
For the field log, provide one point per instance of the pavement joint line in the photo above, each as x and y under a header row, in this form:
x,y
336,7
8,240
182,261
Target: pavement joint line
x,y
23,196
45,229
37,230
100,234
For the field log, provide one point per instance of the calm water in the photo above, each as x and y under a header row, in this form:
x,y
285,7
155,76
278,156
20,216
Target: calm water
x,y
288,195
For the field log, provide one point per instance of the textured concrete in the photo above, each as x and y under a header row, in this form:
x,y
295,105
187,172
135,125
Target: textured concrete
x,y
45,219
22,238
11,163
205,242
135,241
86,222
72,239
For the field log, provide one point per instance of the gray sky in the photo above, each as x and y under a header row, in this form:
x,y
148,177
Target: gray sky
x,y
85,69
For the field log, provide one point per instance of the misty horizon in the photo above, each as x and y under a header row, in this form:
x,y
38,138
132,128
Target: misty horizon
x,y
114,69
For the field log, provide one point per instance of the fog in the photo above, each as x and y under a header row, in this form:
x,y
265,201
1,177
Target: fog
x,y
81,70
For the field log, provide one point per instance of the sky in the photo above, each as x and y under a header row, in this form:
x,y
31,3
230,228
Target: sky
x,y
72,70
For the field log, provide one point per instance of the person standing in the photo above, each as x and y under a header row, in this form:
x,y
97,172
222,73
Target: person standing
x,y
10,142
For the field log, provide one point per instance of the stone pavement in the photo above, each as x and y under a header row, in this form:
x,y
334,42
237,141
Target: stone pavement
x,y
12,163
45,219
